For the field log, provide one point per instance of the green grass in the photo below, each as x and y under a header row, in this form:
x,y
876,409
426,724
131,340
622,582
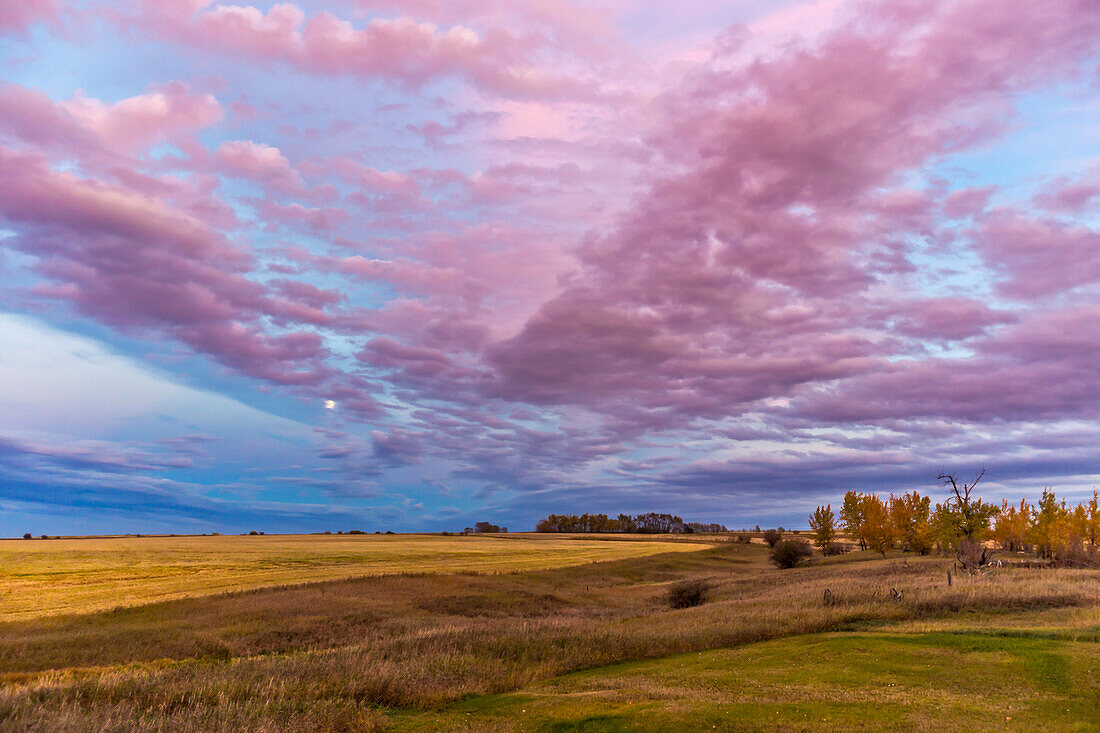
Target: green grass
x,y
862,681
49,577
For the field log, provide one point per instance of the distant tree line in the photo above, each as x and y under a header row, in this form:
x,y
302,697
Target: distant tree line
x,y
651,523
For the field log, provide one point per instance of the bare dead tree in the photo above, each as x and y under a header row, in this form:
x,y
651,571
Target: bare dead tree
x,y
970,517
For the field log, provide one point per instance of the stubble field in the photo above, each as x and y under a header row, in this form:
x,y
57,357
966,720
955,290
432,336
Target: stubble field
x,y
49,577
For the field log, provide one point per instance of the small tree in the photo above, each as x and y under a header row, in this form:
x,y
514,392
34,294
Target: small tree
x,y
876,529
823,524
27,536
1046,518
771,536
1012,527
790,553
851,517
909,514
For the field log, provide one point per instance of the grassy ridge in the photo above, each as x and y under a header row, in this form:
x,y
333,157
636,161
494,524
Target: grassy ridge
x,y
49,577
348,655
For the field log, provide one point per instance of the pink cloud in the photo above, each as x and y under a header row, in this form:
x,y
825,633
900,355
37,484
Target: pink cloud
x,y
147,118
1041,256
1073,195
33,117
18,15
402,48
747,274
139,264
1041,368
948,318
259,162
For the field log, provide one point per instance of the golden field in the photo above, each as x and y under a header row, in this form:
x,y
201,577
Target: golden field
x,y
48,577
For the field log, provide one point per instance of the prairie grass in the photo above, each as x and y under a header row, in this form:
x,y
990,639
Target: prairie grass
x,y
351,654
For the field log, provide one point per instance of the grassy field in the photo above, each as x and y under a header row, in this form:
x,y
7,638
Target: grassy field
x,y
954,681
586,647
47,577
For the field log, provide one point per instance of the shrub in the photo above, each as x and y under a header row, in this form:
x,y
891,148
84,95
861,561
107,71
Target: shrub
x,y
835,548
790,553
688,593
254,533
744,539
27,536
771,536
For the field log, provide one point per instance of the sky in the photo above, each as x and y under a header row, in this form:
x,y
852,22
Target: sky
x,y
407,265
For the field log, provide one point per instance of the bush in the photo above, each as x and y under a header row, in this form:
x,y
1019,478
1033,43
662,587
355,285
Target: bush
x,y
835,548
688,593
790,553
254,533
744,539
27,536
771,536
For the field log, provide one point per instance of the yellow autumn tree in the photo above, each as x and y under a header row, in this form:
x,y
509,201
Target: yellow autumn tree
x,y
1012,526
1046,517
823,525
851,517
909,514
876,529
